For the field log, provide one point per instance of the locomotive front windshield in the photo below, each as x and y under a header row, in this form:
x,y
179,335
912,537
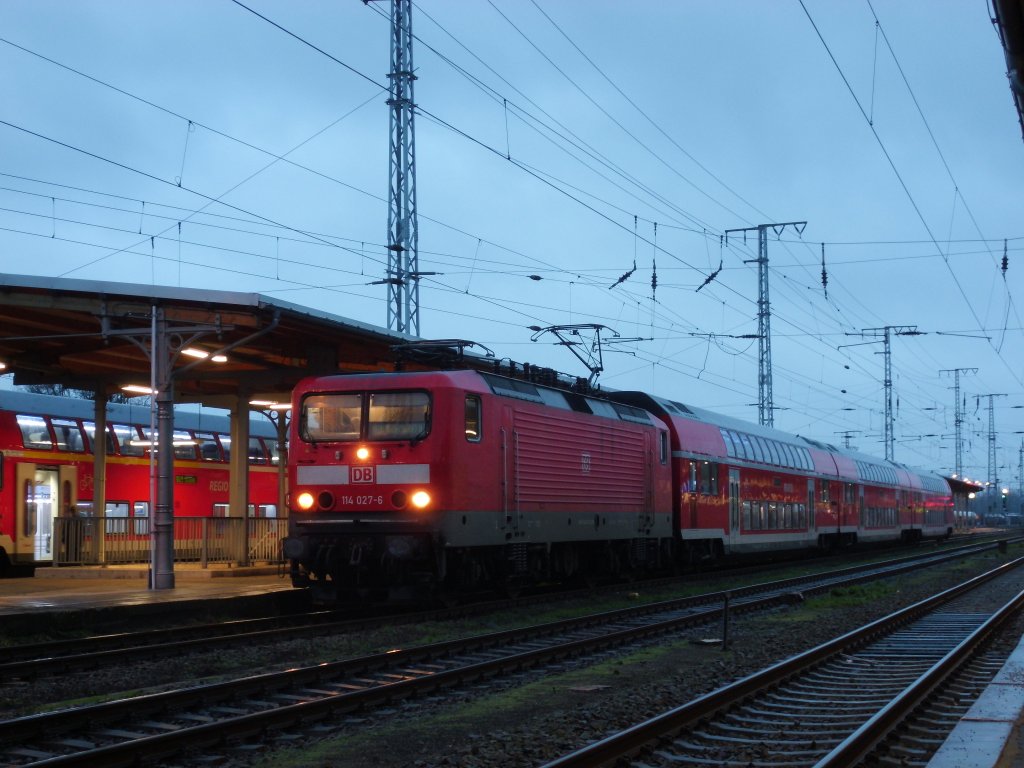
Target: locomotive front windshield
x,y
366,416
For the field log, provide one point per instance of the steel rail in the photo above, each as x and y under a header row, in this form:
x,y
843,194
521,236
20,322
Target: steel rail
x,y
630,741
865,739
29,661
399,683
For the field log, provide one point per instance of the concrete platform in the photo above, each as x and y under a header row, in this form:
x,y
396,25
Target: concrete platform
x,y
990,734
105,599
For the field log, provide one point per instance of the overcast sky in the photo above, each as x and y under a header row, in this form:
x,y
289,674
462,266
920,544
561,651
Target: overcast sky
x,y
195,144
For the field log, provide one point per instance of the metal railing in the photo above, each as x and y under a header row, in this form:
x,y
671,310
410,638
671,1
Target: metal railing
x,y
203,540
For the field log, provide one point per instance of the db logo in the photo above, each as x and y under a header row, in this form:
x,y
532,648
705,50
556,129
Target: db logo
x,y
362,474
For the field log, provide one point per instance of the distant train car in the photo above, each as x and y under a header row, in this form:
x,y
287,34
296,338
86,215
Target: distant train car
x,y
461,478
46,468
745,488
454,480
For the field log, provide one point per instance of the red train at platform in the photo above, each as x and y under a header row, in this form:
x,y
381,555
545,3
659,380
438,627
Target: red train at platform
x,y
46,469
408,482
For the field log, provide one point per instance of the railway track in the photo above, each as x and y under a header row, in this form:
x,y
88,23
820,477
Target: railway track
x,y
147,727
35,660
841,703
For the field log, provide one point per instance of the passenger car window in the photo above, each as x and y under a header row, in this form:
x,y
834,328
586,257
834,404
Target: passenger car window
x,y
34,432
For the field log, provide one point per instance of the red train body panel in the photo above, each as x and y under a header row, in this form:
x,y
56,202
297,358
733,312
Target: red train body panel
x,y
47,469
458,479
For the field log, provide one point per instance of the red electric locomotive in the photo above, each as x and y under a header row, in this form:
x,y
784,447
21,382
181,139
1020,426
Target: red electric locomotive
x,y
455,480
461,479
46,469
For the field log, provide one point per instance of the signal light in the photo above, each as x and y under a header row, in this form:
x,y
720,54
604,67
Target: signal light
x,y
420,499
305,500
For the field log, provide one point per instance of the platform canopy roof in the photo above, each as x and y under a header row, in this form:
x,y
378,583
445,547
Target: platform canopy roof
x,y
84,334
1008,17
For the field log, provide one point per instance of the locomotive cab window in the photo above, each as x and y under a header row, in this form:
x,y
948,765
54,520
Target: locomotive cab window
x,y
398,416
388,416
331,417
473,427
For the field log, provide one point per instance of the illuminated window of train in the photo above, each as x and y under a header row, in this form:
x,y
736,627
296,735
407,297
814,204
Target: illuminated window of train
x,y
29,495
331,417
709,478
274,449
140,511
220,510
128,441
208,448
473,426
90,432
184,445
256,455
34,432
113,511
69,435
267,510
399,416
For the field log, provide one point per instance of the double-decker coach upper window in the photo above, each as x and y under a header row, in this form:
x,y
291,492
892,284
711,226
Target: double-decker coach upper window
x,y
69,435
128,440
34,432
331,417
90,431
399,416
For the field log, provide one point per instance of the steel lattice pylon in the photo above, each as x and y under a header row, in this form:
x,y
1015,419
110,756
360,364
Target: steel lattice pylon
x,y
765,400
403,258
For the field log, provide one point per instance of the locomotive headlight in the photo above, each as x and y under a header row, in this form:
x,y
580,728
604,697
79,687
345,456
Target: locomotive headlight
x,y
362,453
305,500
420,499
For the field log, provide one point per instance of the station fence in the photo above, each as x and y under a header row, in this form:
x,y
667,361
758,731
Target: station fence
x,y
204,540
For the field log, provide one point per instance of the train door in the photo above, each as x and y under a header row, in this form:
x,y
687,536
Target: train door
x,y
510,472
43,493
734,506
645,518
812,523
692,495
